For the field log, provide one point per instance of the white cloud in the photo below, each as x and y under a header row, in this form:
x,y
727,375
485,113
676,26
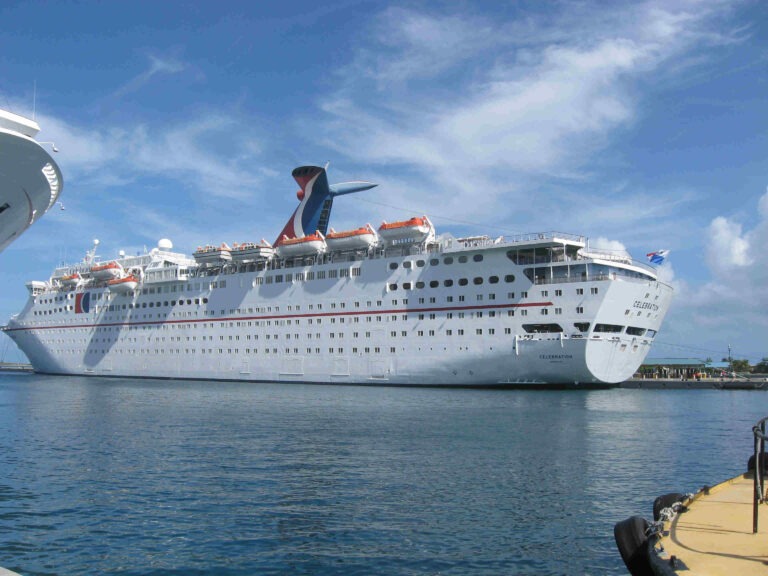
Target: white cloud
x,y
478,107
157,65
728,248
730,307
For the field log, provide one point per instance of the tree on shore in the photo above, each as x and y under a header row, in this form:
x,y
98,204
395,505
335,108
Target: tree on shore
x,y
761,367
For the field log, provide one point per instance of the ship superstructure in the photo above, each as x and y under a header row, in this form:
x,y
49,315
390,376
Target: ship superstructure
x,y
30,179
399,305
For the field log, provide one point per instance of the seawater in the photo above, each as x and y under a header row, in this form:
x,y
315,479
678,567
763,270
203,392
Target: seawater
x,y
120,476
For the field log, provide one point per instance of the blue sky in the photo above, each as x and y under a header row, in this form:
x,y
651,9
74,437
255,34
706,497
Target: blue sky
x,y
641,125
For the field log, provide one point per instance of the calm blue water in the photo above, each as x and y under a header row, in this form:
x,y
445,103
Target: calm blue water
x,y
158,477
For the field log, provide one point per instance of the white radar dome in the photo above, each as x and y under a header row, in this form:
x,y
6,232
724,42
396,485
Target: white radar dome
x,y
165,244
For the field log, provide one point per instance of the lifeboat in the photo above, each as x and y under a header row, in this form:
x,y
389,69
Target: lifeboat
x,y
127,283
213,254
250,251
359,239
413,230
71,279
306,246
107,270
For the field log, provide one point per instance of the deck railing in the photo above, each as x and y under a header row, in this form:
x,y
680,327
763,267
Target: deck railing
x,y
758,430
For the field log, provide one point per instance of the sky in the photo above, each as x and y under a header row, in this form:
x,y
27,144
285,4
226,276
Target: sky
x,y
642,125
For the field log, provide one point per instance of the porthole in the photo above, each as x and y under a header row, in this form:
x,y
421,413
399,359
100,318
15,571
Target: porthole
x,y
509,278
462,259
493,279
448,260
477,257
463,281
448,283
477,280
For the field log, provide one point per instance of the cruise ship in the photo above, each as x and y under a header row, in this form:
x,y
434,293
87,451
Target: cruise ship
x,y
396,304
30,179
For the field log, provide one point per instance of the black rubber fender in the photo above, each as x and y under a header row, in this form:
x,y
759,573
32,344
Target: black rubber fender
x,y
665,501
763,459
632,543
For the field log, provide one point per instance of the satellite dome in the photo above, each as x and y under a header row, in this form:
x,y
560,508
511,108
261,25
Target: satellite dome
x,y
165,244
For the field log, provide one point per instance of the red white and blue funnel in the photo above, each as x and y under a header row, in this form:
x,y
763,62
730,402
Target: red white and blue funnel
x,y
315,202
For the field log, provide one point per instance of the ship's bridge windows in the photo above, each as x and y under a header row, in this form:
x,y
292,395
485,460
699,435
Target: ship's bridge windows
x,y
635,331
611,328
542,328
581,326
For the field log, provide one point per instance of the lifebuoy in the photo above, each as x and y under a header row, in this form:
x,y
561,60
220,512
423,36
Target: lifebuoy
x,y
665,502
632,543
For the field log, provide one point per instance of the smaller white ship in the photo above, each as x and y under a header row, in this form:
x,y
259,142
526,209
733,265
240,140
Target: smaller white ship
x,y
30,179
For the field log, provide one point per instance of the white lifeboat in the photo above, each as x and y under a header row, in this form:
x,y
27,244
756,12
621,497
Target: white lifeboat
x,y
416,229
250,251
127,283
305,246
359,239
107,270
213,254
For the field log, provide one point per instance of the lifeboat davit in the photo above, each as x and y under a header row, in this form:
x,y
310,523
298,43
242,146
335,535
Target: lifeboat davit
x,y
250,251
71,279
107,270
125,284
213,254
359,239
305,246
416,229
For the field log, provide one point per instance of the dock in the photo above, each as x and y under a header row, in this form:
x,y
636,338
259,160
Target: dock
x,y
714,535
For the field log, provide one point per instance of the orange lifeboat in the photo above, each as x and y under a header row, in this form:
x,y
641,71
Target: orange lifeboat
x,y
107,270
305,246
71,279
125,284
360,238
416,229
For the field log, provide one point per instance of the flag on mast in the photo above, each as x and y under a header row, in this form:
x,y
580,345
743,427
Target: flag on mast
x,y
657,257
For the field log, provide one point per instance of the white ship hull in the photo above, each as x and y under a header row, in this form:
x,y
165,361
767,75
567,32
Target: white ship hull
x,y
358,330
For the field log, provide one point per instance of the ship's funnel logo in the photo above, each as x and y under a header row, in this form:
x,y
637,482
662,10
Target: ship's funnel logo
x,y
82,303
